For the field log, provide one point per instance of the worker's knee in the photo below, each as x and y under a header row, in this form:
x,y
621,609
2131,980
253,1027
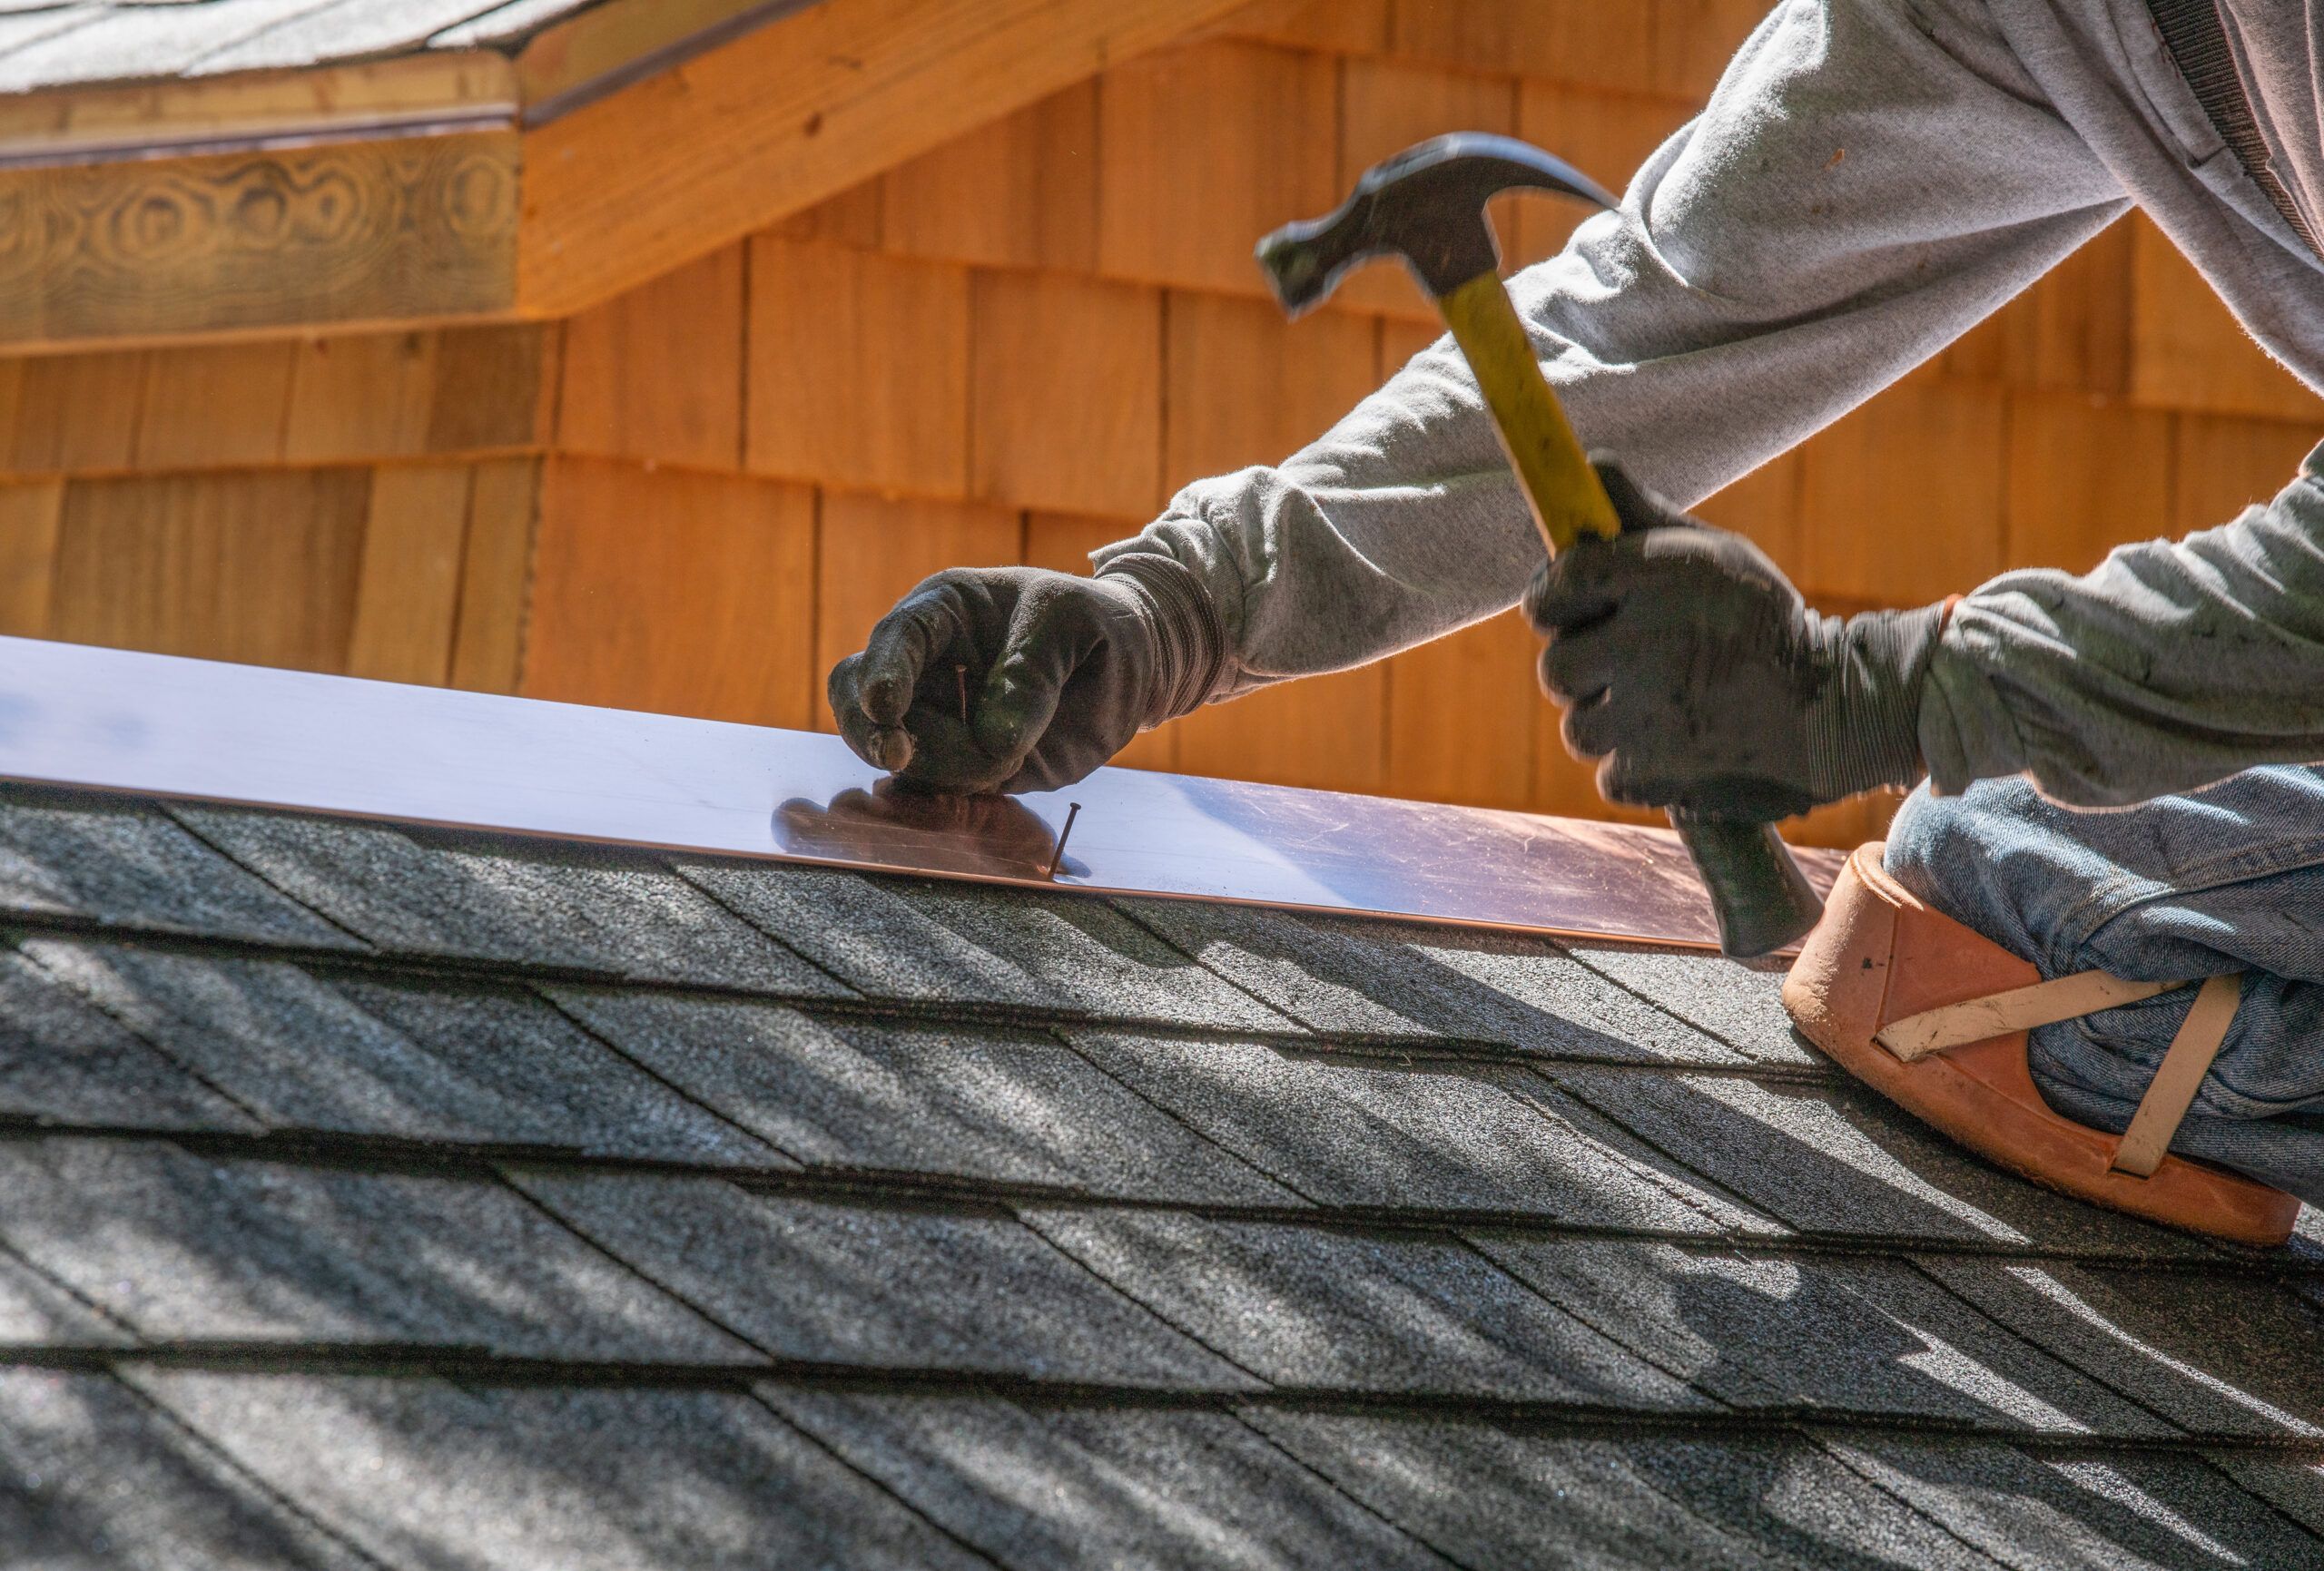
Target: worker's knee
x,y
1958,853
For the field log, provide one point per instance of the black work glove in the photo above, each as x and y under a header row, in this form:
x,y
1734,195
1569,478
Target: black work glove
x,y
1687,662
1060,672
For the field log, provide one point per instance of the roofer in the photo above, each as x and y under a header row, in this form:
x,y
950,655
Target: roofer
x,y
1870,179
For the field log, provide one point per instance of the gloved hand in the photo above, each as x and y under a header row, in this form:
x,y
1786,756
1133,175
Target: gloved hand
x,y
1687,662
1061,673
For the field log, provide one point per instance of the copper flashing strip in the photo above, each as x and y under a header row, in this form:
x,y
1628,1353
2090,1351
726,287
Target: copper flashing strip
x,y
158,725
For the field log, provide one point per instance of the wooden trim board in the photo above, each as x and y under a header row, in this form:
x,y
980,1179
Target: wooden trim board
x,y
469,88
358,232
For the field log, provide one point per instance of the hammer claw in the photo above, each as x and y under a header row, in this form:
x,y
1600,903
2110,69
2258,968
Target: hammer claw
x,y
1400,208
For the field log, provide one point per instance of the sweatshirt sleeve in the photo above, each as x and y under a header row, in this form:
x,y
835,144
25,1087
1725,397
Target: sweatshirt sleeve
x,y
2172,665
1870,179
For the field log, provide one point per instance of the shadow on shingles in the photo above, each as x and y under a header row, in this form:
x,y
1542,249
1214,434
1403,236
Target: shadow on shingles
x,y
88,1470
426,1473
418,891
179,1249
1838,1160
325,1267
296,1254
2122,1510
1500,1497
1799,1509
1357,977
1817,1331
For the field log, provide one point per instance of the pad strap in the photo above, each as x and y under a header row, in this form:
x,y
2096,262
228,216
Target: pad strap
x,y
2176,1080
2172,1090
2019,1010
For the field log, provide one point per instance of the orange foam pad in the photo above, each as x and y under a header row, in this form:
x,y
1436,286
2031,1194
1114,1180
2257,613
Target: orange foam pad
x,y
1880,955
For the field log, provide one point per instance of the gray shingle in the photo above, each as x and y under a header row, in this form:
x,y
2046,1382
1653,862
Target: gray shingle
x,y
2292,1484
1798,1505
1726,1208
1080,1487
1740,1004
1311,1307
63,1062
1003,1103
2218,1354
27,22
927,939
345,29
184,1249
1805,1330
129,42
1375,1134
504,25
522,902
424,1475
2113,1513
128,864
303,1055
35,1313
852,1283
1351,977
1497,1499
1838,1160
93,1479
513,1046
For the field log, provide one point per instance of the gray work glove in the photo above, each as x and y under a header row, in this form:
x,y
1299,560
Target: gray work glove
x,y
1061,672
1687,662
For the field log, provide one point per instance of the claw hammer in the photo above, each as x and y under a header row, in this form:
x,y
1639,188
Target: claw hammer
x,y
1427,205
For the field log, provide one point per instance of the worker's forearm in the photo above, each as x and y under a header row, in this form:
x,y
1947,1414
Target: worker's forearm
x,y
1869,180
2172,665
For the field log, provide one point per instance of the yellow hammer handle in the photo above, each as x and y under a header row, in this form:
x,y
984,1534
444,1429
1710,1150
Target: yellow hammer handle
x,y
1567,501
1760,896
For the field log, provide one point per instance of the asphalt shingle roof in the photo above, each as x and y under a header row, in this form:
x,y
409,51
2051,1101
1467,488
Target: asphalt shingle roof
x,y
385,1198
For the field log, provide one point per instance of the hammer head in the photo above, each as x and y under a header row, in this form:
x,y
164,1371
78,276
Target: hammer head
x,y
1427,205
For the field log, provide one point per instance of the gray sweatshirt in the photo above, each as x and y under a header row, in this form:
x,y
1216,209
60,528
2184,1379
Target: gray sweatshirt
x,y
1871,179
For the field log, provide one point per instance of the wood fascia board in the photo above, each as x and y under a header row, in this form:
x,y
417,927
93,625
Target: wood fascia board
x,y
606,48
388,230
436,91
696,157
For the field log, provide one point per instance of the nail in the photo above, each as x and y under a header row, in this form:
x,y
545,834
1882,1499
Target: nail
x,y
1057,857
960,676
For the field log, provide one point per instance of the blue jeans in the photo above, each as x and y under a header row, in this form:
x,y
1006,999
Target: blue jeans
x,y
2228,878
